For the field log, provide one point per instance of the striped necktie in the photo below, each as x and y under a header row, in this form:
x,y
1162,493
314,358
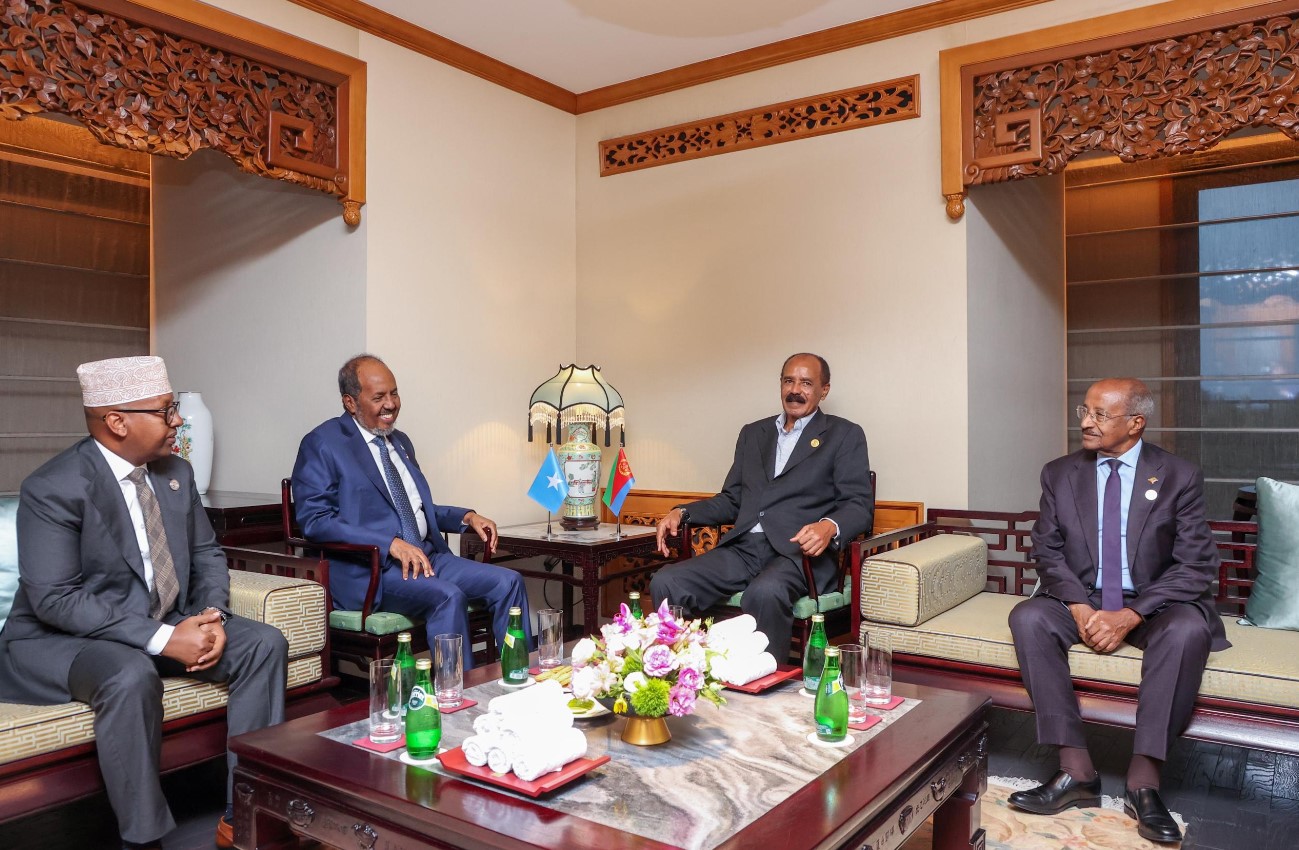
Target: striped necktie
x,y
162,596
405,513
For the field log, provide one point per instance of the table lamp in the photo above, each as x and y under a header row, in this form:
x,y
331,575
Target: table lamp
x,y
584,402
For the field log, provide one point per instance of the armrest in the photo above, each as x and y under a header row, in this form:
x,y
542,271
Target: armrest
x,y
685,549
914,583
295,606
376,563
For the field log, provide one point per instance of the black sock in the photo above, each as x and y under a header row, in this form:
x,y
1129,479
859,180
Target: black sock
x,y
1077,762
1143,772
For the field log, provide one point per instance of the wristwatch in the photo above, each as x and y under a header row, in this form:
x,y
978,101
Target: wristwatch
x,y
685,514
224,616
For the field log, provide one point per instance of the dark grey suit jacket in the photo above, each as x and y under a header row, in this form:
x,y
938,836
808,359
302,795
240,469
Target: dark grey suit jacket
x,y
1171,553
81,575
827,476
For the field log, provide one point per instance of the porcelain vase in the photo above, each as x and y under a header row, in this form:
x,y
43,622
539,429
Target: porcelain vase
x,y
580,459
194,438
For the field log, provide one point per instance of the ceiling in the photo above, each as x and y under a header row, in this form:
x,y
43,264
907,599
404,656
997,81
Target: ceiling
x,y
582,45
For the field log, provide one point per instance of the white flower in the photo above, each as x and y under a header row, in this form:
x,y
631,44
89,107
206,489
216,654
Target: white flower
x,y
583,651
692,656
616,643
606,680
634,682
586,682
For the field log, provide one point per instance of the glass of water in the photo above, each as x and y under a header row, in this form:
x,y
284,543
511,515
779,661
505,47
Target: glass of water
x,y
550,638
879,668
448,670
385,722
852,666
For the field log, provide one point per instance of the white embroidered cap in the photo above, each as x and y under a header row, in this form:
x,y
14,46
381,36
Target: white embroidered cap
x,y
105,383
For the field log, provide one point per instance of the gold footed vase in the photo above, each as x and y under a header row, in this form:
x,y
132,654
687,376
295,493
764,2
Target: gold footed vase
x,y
646,731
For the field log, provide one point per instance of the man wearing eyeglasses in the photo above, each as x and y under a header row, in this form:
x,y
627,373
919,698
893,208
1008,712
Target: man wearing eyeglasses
x,y
1124,555
122,583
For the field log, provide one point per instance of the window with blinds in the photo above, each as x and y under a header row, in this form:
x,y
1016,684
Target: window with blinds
x,y
1190,281
74,279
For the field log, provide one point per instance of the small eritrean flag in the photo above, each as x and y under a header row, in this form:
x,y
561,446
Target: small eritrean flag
x,y
620,483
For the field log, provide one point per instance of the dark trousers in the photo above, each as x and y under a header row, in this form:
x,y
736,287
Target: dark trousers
x,y
1175,647
771,582
124,687
442,601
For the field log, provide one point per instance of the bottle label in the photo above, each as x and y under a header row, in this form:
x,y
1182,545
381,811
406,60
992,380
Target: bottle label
x,y
810,683
418,698
836,686
826,731
509,640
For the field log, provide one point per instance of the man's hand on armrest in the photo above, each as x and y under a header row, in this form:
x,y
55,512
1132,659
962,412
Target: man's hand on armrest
x,y
668,527
814,537
484,528
412,559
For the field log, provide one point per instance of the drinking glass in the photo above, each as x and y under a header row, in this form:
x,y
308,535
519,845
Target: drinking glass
x,y
678,613
448,670
550,637
852,666
879,668
385,723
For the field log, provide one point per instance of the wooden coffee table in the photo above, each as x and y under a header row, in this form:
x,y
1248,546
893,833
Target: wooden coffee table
x,y
295,787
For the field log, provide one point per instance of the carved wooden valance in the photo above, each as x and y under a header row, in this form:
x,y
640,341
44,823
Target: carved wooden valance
x,y
1160,90
144,86
864,106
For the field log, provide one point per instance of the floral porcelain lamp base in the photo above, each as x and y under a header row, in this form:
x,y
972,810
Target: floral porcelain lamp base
x,y
646,731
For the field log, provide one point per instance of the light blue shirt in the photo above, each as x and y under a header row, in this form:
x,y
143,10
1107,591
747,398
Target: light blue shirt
x,y
1127,478
785,442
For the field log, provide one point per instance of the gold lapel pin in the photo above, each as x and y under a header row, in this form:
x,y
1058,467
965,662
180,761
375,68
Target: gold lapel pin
x,y
816,443
1152,480
173,484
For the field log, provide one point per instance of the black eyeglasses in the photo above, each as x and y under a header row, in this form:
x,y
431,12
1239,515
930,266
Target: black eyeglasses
x,y
165,412
1099,417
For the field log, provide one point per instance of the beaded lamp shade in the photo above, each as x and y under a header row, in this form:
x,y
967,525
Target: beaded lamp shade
x,y
576,395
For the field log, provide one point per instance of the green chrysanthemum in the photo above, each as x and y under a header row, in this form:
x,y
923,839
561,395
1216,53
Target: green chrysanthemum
x,y
652,699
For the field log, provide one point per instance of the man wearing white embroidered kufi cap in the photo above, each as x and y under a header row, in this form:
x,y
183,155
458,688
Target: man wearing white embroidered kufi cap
x,y
122,582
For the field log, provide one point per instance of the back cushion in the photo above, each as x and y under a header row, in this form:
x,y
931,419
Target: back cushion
x,y
8,554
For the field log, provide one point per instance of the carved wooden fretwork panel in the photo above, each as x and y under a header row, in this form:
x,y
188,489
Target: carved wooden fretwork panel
x,y
1160,98
784,122
144,89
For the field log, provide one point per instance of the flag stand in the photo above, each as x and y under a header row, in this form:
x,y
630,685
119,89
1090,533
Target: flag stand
x,y
548,531
617,533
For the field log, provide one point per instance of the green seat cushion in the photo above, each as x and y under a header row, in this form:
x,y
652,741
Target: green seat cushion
x,y
378,623
1274,598
805,607
8,554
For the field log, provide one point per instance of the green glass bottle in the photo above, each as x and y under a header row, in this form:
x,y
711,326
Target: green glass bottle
x,y
633,602
831,709
423,720
403,676
814,654
514,650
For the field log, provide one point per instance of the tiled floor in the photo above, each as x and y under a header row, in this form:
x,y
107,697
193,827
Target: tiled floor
x,y
1233,799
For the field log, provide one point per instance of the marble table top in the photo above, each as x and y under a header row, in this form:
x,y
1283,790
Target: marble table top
x,y
723,769
606,532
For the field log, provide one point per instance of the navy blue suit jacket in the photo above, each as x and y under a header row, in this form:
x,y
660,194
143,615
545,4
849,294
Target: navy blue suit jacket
x,y
340,496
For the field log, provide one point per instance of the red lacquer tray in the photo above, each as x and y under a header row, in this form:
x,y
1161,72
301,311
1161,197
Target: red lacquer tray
x,y
454,761
784,672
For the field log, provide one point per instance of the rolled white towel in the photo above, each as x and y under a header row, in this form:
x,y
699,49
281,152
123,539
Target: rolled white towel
x,y
538,725
529,699
476,748
723,632
754,643
499,760
545,755
746,668
487,724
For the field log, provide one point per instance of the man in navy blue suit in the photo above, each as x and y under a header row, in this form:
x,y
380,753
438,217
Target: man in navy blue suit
x,y
356,480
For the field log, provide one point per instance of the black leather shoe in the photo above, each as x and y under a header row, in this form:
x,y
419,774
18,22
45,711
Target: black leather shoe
x,y
1062,792
1154,823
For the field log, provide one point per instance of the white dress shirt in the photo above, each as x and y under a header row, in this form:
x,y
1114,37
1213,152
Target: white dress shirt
x,y
412,492
122,468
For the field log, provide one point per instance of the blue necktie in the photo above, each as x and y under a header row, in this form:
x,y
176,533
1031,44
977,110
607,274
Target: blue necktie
x,y
405,513
1111,542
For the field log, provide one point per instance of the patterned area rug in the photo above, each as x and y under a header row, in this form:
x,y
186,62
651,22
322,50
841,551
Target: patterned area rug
x,y
1105,828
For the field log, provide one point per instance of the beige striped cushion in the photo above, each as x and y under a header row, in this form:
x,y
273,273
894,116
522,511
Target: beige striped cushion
x,y
1262,666
908,586
294,606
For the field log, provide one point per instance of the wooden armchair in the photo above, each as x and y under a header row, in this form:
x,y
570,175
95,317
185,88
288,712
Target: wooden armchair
x,y
835,605
369,634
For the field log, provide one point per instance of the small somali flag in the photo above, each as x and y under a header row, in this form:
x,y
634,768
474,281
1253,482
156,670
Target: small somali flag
x,y
549,489
620,483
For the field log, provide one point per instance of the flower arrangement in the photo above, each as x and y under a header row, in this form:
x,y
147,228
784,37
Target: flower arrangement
x,y
654,667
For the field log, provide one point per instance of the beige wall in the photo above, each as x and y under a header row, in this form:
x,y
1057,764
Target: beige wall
x,y
696,279
1016,365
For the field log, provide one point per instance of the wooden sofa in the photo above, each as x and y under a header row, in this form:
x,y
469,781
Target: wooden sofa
x,y
1250,693
47,752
